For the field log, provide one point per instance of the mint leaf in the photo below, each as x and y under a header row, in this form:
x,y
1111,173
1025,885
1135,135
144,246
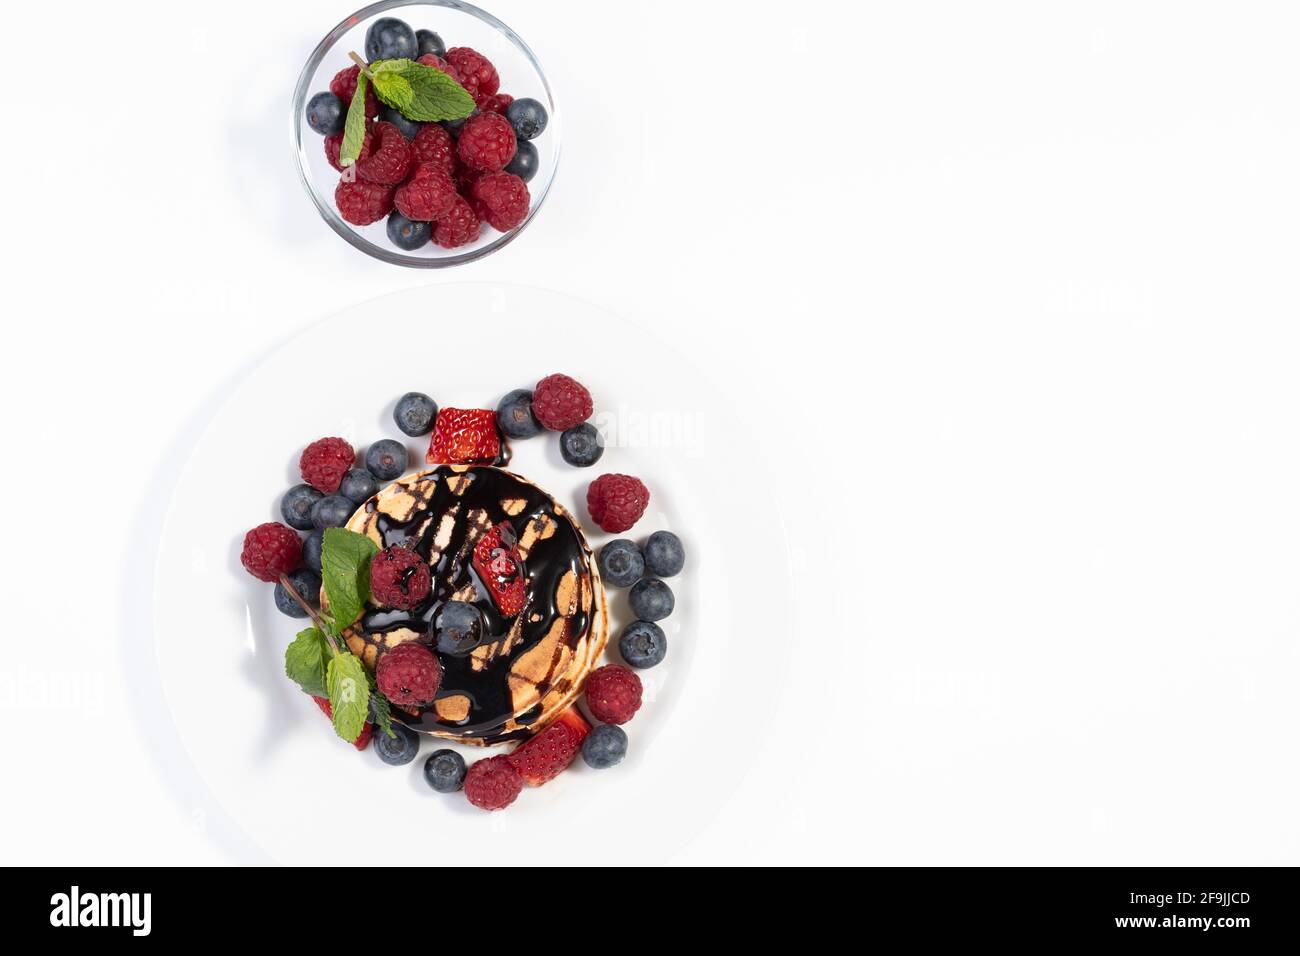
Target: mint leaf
x,y
435,96
380,715
389,66
394,89
349,694
345,573
305,661
354,127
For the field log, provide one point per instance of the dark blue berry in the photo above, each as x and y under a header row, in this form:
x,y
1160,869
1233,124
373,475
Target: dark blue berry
x,y
429,42
525,161
621,563
605,746
311,549
407,127
642,644
332,511
390,39
296,506
399,750
386,459
515,415
651,599
458,628
408,234
444,770
664,554
415,413
582,445
307,584
358,485
528,117
325,113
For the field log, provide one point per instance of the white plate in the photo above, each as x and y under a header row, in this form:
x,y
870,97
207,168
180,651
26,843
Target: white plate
x,y
266,752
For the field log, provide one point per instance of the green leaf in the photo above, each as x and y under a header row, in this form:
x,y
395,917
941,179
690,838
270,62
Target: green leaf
x,y
345,573
349,694
435,96
389,66
394,89
305,661
354,127
380,715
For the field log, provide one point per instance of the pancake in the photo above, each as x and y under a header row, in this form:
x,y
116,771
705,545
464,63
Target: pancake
x,y
528,667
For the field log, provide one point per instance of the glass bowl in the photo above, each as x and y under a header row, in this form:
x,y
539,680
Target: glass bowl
x,y
458,24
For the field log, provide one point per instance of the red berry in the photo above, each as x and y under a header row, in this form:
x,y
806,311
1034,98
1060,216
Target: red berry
x,y
492,784
494,103
473,71
367,730
616,502
433,60
270,550
501,199
487,142
433,144
427,195
334,146
613,694
498,565
362,203
399,578
544,756
560,402
389,159
464,436
458,227
408,675
344,86
324,463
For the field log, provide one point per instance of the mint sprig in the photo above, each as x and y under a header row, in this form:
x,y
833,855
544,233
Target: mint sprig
x,y
305,661
345,574
422,93
354,127
349,693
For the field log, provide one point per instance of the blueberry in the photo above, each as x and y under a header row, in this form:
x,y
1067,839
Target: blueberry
x,y
390,39
643,644
621,563
325,114
582,445
311,549
307,584
429,42
605,746
407,127
415,413
515,415
453,126
296,505
358,485
458,628
444,770
664,554
525,161
651,599
528,117
386,459
332,511
408,234
398,750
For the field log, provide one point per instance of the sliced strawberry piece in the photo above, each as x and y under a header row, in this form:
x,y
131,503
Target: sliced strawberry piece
x,y
497,562
464,436
545,756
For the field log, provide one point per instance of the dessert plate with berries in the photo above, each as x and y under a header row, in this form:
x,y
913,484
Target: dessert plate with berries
x,y
535,584
425,132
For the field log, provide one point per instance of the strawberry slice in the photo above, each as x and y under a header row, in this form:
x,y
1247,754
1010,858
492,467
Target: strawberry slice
x,y
497,563
464,436
544,756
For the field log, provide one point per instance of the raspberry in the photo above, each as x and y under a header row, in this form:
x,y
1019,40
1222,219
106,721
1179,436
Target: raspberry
x,y
458,227
492,784
473,71
497,563
463,436
487,142
433,144
428,194
613,694
616,502
543,757
362,203
324,463
270,550
502,199
408,674
495,103
334,146
433,60
399,578
389,159
363,738
344,86
560,402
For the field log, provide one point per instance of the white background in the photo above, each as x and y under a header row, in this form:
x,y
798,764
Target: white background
x,y
1017,280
